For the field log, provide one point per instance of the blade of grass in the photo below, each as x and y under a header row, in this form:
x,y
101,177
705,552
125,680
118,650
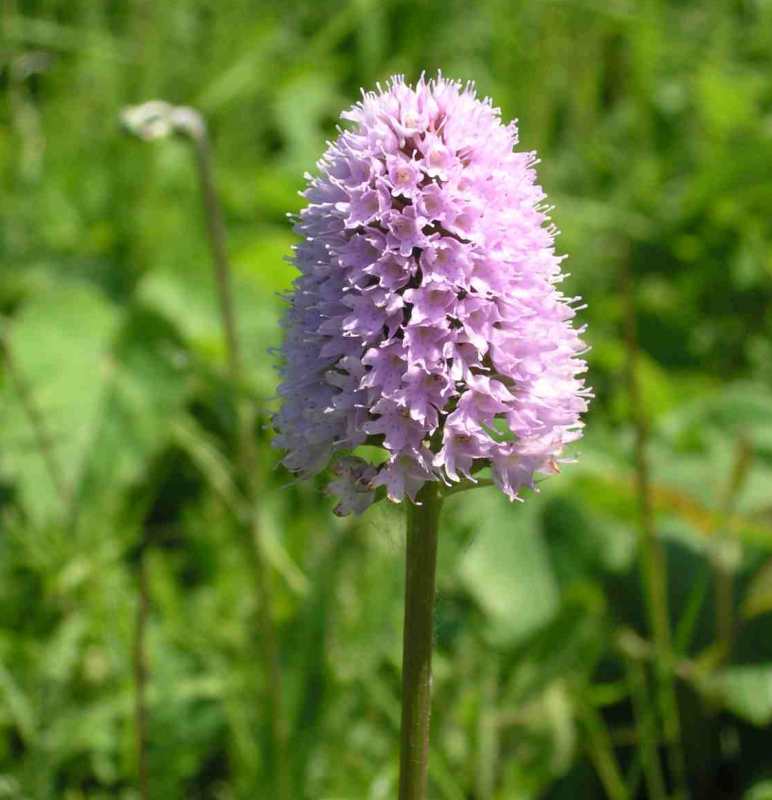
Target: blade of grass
x,y
645,719
601,751
723,561
140,675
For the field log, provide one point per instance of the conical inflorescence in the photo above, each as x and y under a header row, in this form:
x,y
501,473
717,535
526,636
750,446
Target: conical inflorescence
x,y
426,319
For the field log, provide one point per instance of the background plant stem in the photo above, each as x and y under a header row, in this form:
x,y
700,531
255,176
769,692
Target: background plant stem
x,y
653,562
646,723
601,751
140,678
420,571
723,565
156,119
247,454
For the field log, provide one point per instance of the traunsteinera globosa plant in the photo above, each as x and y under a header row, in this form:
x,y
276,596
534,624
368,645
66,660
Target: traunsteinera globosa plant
x,y
427,320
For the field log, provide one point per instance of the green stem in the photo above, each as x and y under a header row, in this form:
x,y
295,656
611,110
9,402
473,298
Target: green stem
x,y
646,725
154,120
140,670
420,570
602,754
653,562
723,555
247,454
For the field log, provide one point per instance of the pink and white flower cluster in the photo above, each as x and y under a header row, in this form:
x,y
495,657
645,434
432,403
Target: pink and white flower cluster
x,y
426,318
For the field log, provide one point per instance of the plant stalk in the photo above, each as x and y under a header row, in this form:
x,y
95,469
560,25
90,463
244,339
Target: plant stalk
x,y
601,752
247,453
420,570
653,562
646,724
722,561
140,670
157,119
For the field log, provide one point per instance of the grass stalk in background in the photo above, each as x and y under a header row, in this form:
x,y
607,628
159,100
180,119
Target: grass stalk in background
x,y
723,558
645,719
601,752
420,571
153,120
140,675
652,555
247,453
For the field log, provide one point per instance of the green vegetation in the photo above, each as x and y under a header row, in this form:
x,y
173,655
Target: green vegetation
x,y
119,437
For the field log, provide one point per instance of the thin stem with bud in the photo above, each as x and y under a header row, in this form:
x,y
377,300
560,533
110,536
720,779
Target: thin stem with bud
x,y
157,119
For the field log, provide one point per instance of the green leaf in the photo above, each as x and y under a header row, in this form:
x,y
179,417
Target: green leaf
x,y
746,691
499,432
17,705
189,301
507,571
758,598
583,542
567,648
727,100
146,391
203,450
60,345
759,791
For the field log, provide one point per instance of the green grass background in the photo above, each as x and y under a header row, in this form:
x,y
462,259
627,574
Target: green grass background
x,y
653,121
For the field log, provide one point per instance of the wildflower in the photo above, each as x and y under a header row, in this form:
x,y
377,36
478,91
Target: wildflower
x,y
427,318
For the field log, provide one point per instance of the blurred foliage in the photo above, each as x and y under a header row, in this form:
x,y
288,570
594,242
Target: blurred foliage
x,y
653,120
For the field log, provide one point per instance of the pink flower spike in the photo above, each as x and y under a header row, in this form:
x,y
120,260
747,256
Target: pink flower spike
x,y
426,317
